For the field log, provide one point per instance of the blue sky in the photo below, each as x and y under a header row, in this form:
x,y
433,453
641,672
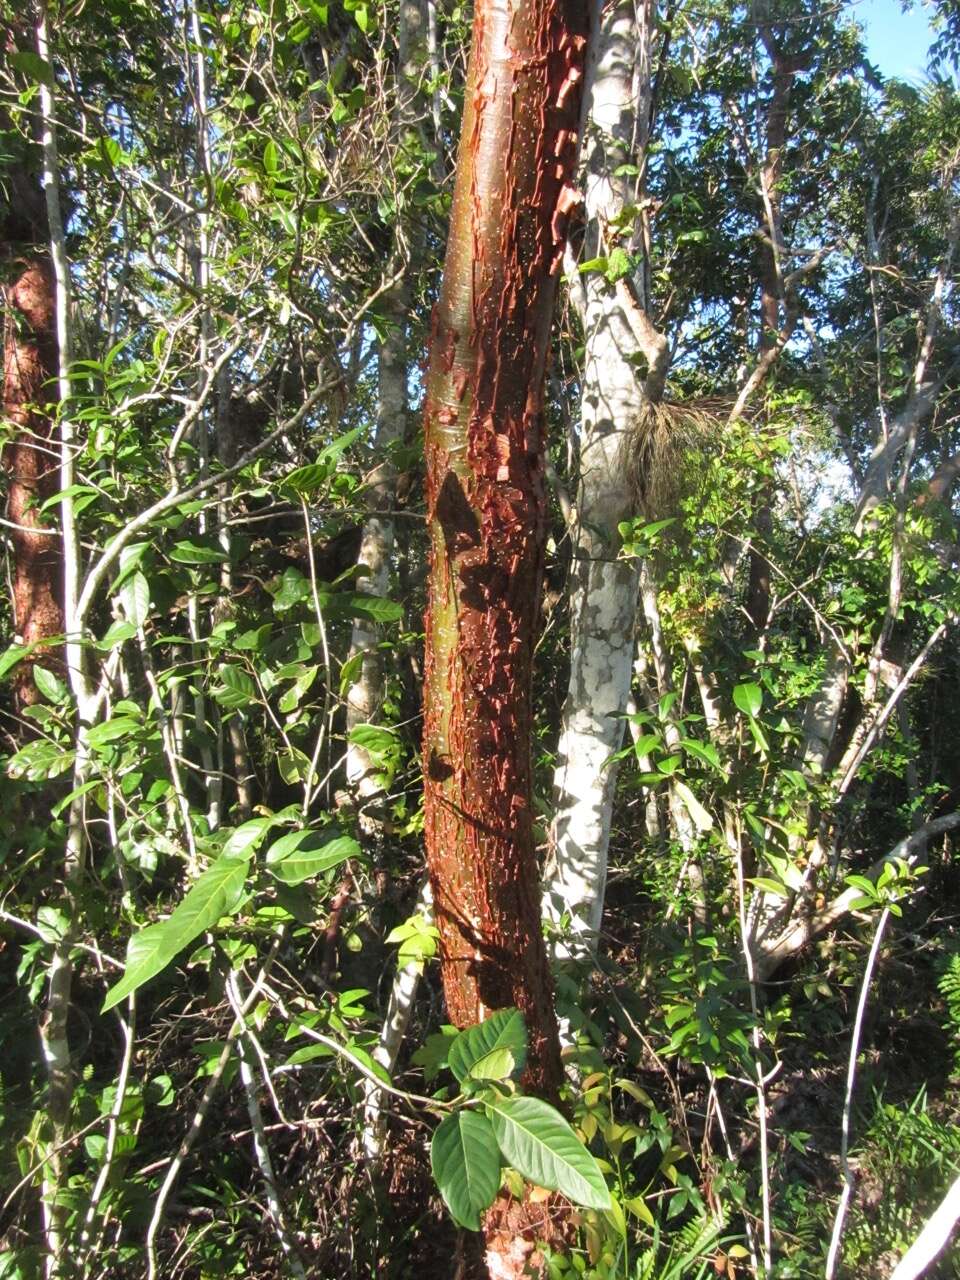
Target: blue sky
x,y
896,41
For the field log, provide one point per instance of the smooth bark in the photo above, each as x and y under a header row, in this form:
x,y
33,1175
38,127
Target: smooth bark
x,y
603,598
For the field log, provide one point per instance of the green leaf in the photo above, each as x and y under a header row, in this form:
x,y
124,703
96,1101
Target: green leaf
x,y
504,1029
11,656
294,766
235,689
192,551
135,598
432,1054
290,862
294,587
148,953
116,635
646,743
498,1065
748,698
542,1147
308,479
591,265
704,751
270,157
52,688
245,838
40,760
773,887
216,893
618,265
359,604
466,1166
52,924
864,884
111,730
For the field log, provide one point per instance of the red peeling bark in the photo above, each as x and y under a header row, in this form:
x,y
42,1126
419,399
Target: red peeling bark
x,y
30,459
486,508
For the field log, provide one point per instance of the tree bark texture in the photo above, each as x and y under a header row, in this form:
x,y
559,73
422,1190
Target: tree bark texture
x,y
484,445
365,695
30,456
603,593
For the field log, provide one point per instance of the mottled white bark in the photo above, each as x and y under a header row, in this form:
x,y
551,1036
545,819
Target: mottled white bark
x,y
603,602
365,695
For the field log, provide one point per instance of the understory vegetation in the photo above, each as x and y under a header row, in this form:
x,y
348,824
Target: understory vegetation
x,y
226,1044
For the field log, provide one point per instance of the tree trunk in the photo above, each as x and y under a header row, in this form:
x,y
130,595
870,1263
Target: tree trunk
x,y
365,695
603,599
486,509
31,459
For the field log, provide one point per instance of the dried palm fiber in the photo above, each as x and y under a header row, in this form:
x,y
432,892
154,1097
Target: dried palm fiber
x,y
662,442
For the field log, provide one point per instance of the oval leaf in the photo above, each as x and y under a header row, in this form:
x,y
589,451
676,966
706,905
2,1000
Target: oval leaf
x,y
504,1029
466,1165
748,698
542,1147
291,863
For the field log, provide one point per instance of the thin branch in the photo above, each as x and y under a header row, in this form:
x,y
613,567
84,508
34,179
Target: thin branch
x,y
848,1178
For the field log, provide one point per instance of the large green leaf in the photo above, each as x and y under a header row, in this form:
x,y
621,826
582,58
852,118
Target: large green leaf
x,y
748,698
466,1165
293,863
196,551
542,1147
236,688
245,838
135,598
504,1029
40,760
356,604
216,893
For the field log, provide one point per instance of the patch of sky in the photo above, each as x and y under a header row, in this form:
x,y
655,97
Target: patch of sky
x,y
897,40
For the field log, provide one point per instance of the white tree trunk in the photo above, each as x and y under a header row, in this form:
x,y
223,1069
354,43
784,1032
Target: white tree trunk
x,y
365,695
603,602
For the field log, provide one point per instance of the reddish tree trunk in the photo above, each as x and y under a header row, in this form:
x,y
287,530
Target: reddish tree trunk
x,y
486,507
30,459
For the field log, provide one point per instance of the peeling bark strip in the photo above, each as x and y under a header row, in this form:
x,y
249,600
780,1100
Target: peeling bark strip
x,y
30,458
486,507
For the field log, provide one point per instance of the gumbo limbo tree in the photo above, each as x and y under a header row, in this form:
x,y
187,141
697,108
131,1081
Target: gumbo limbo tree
x,y
486,507
30,457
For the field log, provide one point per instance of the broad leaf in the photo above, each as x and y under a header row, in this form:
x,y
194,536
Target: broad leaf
x,y
193,551
135,598
247,837
40,760
504,1029
466,1165
52,688
542,1147
357,604
236,689
216,893
148,953
11,656
290,862
499,1065
748,698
